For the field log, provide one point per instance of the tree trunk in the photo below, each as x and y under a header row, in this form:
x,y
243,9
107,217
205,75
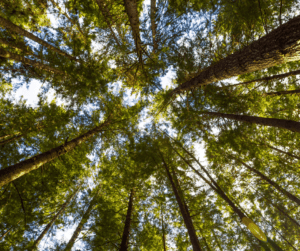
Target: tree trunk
x,y
19,58
282,93
278,150
126,232
153,24
217,240
9,25
203,237
13,172
184,211
278,47
106,14
274,184
131,10
277,77
84,219
62,209
213,185
163,229
10,140
280,123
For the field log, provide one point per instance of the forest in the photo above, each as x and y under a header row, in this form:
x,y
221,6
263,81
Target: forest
x,y
159,125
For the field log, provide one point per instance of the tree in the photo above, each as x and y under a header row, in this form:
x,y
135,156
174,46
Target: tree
x,y
179,118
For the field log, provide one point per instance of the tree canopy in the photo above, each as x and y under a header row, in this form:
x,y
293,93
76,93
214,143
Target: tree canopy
x,y
123,159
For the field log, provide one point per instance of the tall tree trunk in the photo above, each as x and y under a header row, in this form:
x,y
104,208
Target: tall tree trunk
x,y
84,219
217,240
10,140
107,17
9,25
153,24
126,232
278,150
62,209
131,10
163,229
282,93
280,123
13,172
203,237
184,211
278,47
38,65
274,184
25,49
277,77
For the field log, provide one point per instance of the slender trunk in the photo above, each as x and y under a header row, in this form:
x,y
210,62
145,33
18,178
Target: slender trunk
x,y
280,123
10,140
277,77
278,150
153,24
163,230
19,58
131,10
107,17
9,25
203,237
282,93
84,219
278,47
62,209
274,184
213,185
25,49
287,215
217,240
8,135
13,172
126,232
184,211
6,233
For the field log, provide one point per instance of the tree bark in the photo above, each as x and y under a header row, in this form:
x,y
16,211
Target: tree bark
x,y
13,172
184,211
126,232
62,209
277,77
153,24
278,47
19,58
131,10
291,125
84,219
274,184
9,25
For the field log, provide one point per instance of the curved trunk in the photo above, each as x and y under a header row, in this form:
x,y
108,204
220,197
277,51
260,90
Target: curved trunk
x,y
13,172
280,123
278,150
126,232
11,26
84,219
38,65
278,47
62,209
274,184
163,230
184,211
